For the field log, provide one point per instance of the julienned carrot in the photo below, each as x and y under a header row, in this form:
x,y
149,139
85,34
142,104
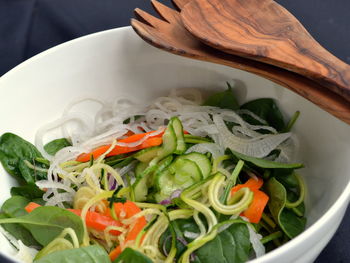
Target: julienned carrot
x,y
128,209
31,206
256,208
93,219
260,199
98,221
149,142
252,184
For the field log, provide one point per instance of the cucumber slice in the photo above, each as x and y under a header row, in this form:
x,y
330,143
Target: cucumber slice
x,y
140,168
168,146
201,160
179,132
179,175
183,169
146,155
140,188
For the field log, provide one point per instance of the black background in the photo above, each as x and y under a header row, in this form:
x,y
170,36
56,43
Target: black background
x,y
28,27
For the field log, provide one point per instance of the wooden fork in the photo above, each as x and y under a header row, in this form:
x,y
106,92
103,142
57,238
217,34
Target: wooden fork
x,y
170,35
265,31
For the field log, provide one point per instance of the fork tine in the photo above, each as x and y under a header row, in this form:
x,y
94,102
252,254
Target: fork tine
x,y
148,18
165,12
180,3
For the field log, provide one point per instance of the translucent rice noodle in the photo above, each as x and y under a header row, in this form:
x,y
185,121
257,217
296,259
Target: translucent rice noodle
x,y
113,119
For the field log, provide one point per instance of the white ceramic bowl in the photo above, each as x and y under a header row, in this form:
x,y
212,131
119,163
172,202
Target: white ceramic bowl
x,y
117,61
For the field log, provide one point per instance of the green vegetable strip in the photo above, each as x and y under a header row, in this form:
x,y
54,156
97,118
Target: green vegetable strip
x,y
268,220
297,212
217,161
42,160
301,193
231,181
292,122
236,204
171,256
271,237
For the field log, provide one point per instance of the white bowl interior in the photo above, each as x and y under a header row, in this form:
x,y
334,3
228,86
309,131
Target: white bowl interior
x,y
116,62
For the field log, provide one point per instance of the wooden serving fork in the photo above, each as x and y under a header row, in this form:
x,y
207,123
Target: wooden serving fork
x,y
265,31
170,35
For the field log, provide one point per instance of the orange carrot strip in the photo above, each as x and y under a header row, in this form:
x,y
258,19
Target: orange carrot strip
x,y
98,221
130,209
256,208
151,141
252,184
115,253
31,206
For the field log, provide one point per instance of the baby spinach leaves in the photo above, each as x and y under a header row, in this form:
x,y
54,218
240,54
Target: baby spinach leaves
x,y
291,224
19,232
30,191
54,146
229,246
14,152
90,254
263,163
47,222
130,255
224,100
14,207
266,109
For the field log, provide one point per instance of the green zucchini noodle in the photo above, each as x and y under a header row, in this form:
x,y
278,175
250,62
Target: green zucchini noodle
x,y
103,156
108,169
108,236
35,168
60,242
302,188
244,195
145,212
200,224
209,215
217,161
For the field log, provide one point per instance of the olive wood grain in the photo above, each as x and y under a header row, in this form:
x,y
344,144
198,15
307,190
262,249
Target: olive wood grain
x,y
170,35
265,31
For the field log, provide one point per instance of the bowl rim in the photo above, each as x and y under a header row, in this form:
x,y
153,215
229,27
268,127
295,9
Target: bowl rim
x,y
341,202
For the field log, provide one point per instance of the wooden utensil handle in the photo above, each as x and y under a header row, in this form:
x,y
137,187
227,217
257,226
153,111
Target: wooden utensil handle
x,y
265,31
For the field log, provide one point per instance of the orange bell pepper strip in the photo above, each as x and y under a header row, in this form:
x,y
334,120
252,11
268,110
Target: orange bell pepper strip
x,y
260,199
130,209
151,141
93,219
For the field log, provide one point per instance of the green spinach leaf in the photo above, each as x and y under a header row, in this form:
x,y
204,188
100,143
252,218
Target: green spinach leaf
x,y
230,246
266,109
262,163
54,146
130,255
30,191
224,100
291,224
47,222
19,232
90,254
14,151
14,207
